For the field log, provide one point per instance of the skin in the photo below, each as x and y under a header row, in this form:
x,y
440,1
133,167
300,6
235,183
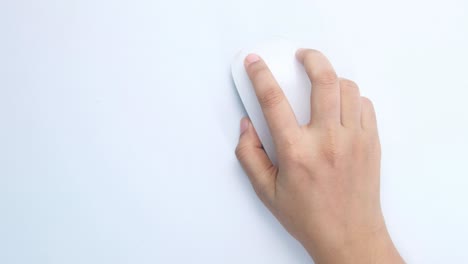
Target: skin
x,y
325,189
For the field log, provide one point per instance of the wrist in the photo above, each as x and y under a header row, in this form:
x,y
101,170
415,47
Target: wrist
x,y
373,248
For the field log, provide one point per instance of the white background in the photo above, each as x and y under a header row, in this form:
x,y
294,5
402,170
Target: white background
x,y
119,119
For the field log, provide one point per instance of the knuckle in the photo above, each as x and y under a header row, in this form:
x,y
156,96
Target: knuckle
x,y
332,148
291,149
357,145
300,159
326,77
271,98
349,85
332,154
242,152
296,157
373,146
377,150
367,102
267,173
366,146
368,108
264,188
289,143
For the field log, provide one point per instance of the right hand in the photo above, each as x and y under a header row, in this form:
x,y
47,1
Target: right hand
x,y
325,189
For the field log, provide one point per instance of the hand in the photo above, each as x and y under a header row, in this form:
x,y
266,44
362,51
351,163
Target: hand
x,y
325,188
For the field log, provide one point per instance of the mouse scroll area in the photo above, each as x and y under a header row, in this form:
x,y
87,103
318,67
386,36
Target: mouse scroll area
x,y
280,56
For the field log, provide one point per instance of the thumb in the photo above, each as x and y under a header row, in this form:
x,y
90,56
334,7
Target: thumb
x,y
254,160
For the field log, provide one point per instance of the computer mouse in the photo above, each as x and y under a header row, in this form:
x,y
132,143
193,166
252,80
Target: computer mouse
x,y
279,55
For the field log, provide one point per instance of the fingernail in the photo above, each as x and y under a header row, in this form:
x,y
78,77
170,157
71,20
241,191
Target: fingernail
x,y
251,58
244,125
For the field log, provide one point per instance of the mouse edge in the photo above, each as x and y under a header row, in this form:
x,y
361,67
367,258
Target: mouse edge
x,y
237,59
237,65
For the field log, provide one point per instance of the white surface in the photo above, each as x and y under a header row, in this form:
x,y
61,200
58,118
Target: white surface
x,y
279,54
119,119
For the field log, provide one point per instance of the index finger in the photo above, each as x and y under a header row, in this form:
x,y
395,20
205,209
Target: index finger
x,y
275,106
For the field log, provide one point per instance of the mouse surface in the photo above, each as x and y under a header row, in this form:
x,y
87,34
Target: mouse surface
x,y
280,57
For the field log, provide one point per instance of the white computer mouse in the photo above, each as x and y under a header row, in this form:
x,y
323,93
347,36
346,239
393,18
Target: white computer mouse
x,y
279,55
